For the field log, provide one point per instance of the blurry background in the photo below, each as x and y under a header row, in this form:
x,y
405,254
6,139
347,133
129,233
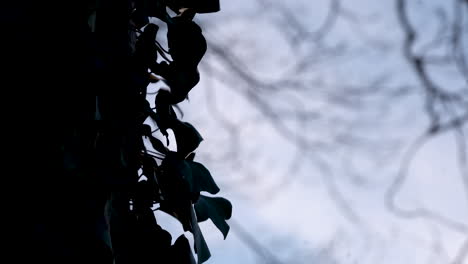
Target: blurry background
x,y
338,129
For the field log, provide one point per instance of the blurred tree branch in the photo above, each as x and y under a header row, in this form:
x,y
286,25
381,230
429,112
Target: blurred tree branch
x,y
316,113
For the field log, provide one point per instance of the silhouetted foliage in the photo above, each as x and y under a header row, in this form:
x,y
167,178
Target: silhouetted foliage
x,y
92,205
175,184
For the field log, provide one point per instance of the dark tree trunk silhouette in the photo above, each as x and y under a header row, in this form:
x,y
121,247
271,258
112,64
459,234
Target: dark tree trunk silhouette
x,y
54,77
76,80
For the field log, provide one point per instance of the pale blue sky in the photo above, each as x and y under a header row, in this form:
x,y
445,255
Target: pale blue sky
x,y
294,214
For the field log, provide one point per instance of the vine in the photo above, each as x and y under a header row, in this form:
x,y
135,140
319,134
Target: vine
x,y
170,180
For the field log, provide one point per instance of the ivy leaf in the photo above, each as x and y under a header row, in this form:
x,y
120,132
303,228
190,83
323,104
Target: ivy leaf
x,y
197,177
180,211
181,252
200,178
146,50
186,42
143,112
153,242
181,79
165,112
200,6
155,117
149,168
149,231
201,248
191,156
158,145
218,209
146,129
144,196
207,6
176,178
187,137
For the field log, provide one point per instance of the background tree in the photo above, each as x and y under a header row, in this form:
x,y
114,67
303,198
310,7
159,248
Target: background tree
x,y
343,93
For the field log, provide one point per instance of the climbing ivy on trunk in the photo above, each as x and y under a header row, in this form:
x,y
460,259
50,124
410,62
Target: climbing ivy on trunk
x,y
75,78
170,180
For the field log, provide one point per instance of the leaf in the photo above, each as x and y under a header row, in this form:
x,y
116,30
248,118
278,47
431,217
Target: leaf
x,y
180,211
181,252
165,113
149,168
157,9
151,232
201,248
143,113
201,6
191,156
197,177
146,129
182,79
158,145
217,209
144,195
150,241
174,178
201,179
187,137
155,117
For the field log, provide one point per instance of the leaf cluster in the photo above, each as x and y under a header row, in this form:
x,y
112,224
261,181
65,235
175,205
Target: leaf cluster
x,y
171,180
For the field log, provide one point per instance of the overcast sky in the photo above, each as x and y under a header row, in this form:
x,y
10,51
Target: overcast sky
x,y
325,205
